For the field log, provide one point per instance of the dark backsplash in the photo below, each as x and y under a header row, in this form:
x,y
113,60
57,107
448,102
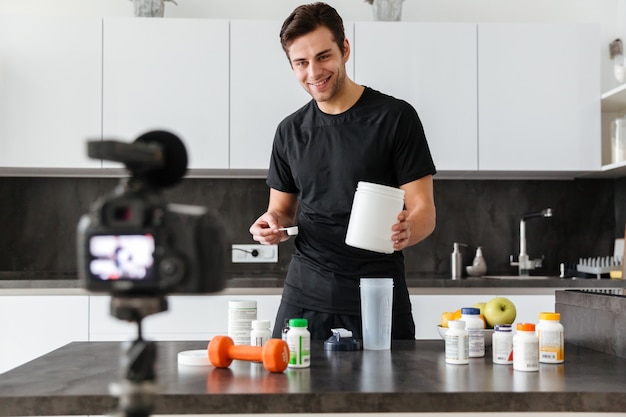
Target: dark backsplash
x,y
39,218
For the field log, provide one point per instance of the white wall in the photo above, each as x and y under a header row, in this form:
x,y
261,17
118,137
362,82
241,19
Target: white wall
x,y
610,14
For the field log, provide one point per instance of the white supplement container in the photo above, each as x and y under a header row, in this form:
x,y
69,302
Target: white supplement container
x,y
260,332
525,348
475,327
550,334
457,343
240,317
375,210
299,342
502,344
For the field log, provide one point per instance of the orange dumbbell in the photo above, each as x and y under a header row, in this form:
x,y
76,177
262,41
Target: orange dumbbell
x,y
274,354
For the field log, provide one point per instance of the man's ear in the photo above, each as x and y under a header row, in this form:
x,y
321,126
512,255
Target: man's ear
x,y
346,50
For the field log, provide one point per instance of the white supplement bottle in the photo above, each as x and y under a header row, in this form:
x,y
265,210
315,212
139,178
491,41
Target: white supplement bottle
x,y
475,327
525,348
551,342
240,317
502,344
260,332
457,343
299,342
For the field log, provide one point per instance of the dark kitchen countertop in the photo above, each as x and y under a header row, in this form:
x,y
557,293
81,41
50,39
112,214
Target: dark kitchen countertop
x,y
412,377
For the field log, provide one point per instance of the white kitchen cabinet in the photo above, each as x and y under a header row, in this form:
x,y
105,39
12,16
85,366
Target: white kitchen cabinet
x,y
32,326
189,317
50,95
168,74
264,90
539,97
427,309
433,66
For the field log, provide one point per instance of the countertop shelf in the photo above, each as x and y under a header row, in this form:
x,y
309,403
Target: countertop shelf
x,y
411,377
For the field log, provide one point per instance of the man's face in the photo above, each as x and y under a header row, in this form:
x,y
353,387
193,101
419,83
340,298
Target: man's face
x,y
318,64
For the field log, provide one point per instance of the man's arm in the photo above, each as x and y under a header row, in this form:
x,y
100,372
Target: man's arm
x,y
281,212
418,221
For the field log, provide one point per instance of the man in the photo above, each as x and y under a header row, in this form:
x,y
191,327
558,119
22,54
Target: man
x,y
346,134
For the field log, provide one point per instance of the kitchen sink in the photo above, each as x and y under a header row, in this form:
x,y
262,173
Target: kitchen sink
x,y
526,277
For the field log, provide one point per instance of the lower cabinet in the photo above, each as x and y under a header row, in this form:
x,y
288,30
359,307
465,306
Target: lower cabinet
x,y
33,325
188,317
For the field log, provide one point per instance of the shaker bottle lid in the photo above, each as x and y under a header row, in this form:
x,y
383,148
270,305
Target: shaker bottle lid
x,y
342,339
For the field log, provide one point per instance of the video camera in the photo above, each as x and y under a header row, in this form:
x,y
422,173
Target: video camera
x,y
134,243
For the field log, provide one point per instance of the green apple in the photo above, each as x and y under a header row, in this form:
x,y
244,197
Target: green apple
x,y
499,310
480,306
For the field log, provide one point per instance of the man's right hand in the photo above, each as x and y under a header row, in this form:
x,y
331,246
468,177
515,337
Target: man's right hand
x,y
265,230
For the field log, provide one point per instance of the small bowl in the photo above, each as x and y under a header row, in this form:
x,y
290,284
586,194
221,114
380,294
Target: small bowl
x,y
488,334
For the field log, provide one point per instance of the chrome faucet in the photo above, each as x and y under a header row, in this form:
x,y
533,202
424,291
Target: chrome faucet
x,y
524,263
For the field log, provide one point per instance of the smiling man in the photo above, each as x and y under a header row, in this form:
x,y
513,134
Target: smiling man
x,y
347,133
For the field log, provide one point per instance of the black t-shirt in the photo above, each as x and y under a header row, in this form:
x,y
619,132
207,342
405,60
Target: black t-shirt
x,y
321,158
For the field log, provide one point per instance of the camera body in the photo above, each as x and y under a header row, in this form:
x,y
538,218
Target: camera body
x,y
133,243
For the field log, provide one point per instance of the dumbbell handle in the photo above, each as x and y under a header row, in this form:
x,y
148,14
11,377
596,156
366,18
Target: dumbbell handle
x,y
246,353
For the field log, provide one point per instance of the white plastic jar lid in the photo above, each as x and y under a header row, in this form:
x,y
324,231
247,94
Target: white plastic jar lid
x,y
381,189
194,357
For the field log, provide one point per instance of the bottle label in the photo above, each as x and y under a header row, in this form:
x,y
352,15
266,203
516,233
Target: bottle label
x,y
299,350
551,346
476,342
457,347
502,349
526,355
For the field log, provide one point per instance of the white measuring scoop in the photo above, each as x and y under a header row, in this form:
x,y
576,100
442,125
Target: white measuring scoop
x,y
291,231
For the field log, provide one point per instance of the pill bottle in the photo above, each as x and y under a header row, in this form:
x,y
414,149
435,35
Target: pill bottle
x,y
457,343
525,348
299,342
502,344
550,334
260,332
240,317
375,210
475,327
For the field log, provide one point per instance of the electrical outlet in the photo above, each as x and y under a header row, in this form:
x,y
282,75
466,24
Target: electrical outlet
x,y
254,253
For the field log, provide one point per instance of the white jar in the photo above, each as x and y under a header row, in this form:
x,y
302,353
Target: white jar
x,y
260,332
240,317
457,343
375,210
525,348
475,327
551,342
299,342
502,344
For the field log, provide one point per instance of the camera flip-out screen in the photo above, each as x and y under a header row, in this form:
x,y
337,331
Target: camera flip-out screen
x,y
114,257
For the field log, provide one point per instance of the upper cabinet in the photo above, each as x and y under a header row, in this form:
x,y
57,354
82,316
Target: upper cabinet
x,y
263,90
539,97
168,74
50,77
432,66
496,99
